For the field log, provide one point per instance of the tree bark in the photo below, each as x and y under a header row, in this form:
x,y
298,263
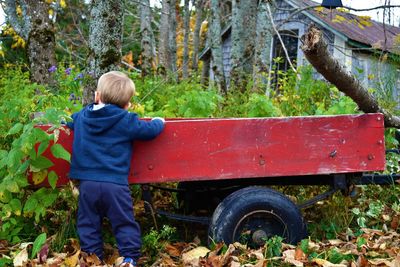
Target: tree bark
x,y
186,26
243,35
172,40
163,55
315,50
262,50
216,47
105,41
199,5
148,42
37,29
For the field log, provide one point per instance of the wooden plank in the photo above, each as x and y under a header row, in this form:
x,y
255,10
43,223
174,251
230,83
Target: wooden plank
x,y
210,149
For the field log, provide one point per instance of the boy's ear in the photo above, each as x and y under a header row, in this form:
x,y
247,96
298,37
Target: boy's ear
x,y
96,97
127,106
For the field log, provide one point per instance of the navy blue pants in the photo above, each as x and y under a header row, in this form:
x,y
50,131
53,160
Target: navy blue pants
x,y
98,200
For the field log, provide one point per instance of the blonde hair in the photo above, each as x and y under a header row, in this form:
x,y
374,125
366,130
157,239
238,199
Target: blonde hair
x,y
115,88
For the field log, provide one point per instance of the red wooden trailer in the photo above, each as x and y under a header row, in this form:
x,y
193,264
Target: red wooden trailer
x,y
222,163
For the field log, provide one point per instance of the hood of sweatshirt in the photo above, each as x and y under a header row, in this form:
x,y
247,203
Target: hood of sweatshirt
x,y
100,120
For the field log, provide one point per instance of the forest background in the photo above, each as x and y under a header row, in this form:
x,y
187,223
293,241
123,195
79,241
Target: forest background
x,y
52,53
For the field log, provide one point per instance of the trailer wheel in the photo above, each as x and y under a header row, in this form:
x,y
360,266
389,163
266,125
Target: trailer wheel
x,y
253,214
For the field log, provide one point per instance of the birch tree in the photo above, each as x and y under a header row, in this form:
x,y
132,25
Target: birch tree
x,y
243,35
199,6
37,30
163,41
105,41
186,26
263,43
216,47
148,50
172,40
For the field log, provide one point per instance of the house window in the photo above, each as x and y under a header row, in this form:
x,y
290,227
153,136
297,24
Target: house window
x,y
290,41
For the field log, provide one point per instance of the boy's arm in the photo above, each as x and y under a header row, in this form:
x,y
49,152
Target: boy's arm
x,y
70,124
147,130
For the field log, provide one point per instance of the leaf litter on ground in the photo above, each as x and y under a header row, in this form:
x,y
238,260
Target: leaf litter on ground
x,y
380,248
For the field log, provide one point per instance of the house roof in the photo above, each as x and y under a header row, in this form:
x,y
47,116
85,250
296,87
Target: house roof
x,y
360,29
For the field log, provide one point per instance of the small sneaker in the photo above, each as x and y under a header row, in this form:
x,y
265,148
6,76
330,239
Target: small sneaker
x,y
128,262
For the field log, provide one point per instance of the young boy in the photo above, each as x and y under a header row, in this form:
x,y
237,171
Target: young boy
x,y
102,150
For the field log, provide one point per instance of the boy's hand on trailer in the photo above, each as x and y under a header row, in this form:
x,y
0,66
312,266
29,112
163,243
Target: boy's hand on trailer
x,y
159,118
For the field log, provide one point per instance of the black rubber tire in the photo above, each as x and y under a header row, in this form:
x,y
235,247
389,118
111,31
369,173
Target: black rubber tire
x,y
258,212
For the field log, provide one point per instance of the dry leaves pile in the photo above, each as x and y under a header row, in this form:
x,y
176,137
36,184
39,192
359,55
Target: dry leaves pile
x,y
379,249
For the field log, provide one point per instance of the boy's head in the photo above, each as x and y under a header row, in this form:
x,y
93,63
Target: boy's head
x,y
116,88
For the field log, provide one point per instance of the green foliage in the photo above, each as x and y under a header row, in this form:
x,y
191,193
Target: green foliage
x,y
21,151
155,241
302,94
261,106
38,244
273,247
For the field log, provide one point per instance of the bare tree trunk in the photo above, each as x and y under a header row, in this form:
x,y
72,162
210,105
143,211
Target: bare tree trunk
x,y
172,40
243,35
216,47
186,25
199,5
262,50
37,29
163,55
205,72
148,41
105,41
315,50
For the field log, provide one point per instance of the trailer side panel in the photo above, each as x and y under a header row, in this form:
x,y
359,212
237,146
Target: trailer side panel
x,y
211,149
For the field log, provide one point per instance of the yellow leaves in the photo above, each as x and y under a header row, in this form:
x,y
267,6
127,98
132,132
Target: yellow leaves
x,y
319,9
365,20
18,41
371,76
19,11
138,108
61,3
38,177
339,19
325,263
203,27
128,58
359,21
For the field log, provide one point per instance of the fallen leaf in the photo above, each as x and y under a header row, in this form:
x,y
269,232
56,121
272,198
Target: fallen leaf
x,y
362,262
173,250
379,262
192,256
289,256
396,262
395,222
21,258
43,253
325,263
72,261
299,255
335,242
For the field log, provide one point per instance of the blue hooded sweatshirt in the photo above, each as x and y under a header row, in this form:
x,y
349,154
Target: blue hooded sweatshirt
x,y
103,139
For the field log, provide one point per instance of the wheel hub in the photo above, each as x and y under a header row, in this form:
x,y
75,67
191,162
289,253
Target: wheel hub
x,y
259,237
